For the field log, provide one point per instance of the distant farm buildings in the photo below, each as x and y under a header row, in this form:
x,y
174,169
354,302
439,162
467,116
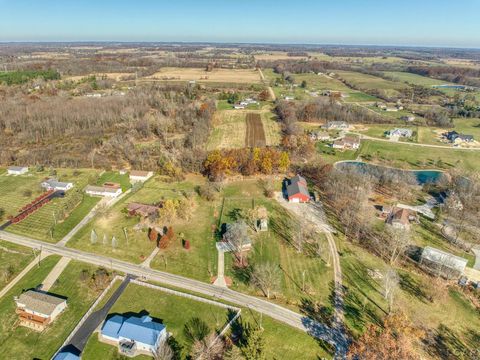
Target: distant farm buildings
x,y
456,138
36,309
17,170
348,142
54,184
297,190
143,210
336,125
399,132
104,190
140,176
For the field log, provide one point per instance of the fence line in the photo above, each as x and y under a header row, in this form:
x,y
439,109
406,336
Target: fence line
x,y
182,294
87,314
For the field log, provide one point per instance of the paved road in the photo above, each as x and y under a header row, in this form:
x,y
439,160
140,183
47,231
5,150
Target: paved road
x,y
57,270
80,338
275,311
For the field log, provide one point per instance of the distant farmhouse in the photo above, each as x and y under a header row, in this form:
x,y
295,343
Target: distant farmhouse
x,y
400,218
105,191
36,309
336,125
297,190
133,335
17,170
348,142
319,135
398,132
54,184
443,263
456,138
140,176
408,118
142,210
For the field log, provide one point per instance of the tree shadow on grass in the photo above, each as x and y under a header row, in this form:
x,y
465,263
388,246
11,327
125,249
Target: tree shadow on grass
x,y
444,343
414,288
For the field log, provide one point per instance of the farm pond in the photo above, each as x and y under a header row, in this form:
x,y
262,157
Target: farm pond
x,y
422,176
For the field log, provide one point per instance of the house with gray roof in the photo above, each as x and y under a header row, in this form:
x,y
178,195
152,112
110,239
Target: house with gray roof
x,y
37,309
54,184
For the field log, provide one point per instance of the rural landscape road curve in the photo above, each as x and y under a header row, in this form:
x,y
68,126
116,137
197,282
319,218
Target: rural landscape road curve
x,y
320,331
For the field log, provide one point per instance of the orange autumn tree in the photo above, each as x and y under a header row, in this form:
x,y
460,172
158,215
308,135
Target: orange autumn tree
x,y
395,340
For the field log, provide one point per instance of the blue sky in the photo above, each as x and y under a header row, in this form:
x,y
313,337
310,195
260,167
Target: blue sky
x,y
381,22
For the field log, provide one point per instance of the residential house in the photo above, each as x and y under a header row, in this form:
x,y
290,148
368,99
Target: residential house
x,y
17,170
398,132
230,246
289,98
336,125
133,335
104,191
408,118
443,263
319,135
37,309
66,355
348,142
142,210
456,138
138,175
400,218
238,106
54,184
297,190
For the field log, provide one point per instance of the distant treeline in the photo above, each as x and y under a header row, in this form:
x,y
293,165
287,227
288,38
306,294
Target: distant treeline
x,y
22,76
459,75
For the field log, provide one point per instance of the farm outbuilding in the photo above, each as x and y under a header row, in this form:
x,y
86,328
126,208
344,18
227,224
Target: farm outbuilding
x,y
443,263
17,170
297,190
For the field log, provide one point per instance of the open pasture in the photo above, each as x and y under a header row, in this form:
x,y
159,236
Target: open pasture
x,y
369,82
200,75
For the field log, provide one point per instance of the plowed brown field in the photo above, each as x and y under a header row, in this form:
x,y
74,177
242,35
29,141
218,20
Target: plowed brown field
x,y
255,135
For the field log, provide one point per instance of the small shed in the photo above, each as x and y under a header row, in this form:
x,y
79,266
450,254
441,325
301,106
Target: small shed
x,y
263,225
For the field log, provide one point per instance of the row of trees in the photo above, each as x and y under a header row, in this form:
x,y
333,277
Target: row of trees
x,y
246,161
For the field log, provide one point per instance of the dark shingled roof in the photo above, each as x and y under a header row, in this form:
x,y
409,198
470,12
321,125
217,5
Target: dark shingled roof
x,y
295,188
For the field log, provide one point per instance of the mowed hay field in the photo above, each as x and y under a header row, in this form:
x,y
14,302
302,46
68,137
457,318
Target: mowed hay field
x,y
113,76
216,75
230,129
369,82
255,135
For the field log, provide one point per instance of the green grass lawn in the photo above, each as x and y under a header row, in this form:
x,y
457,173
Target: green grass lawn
x,y
330,155
172,310
115,177
409,156
370,82
13,259
194,262
302,276
281,341
24,343
428,302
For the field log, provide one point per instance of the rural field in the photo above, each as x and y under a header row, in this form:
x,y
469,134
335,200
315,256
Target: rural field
x,y
370,82
45,224
231,129
216,75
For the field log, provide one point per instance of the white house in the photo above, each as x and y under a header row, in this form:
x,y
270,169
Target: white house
x,y
133,335
396,133
17,170
54,184
105,191
36,309
336,125
139,175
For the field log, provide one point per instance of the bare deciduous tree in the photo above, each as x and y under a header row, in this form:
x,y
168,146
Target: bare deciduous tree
x,y
266,277
390,286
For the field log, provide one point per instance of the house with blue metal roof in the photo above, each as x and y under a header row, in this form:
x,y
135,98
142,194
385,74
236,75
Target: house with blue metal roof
x,y
66,355
133,335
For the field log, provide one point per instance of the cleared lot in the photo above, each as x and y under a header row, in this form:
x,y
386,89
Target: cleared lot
x,y
255,135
